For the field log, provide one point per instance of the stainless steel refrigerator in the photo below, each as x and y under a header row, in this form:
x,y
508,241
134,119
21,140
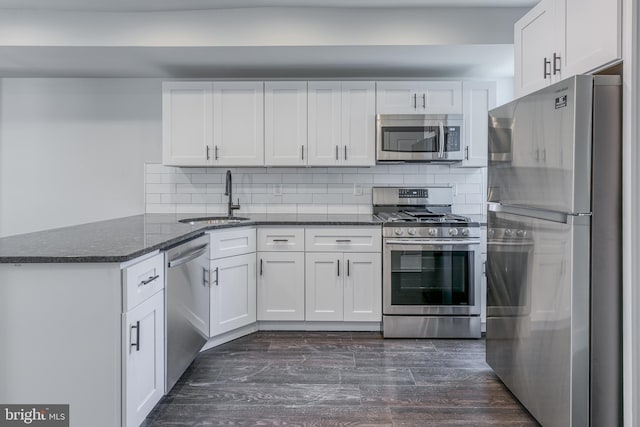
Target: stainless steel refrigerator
x,y
554,251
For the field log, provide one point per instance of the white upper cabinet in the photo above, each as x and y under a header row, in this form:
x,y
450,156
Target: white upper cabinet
x,y
560,38
426,97
325,118
592,35
341,123
478,99
358,123
213,124
238,124
187,126
285,123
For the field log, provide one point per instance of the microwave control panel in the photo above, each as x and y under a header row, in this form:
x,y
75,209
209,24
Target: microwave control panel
x,y
452,138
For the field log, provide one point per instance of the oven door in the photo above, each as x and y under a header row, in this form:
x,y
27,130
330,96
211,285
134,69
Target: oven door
x,y
431,277
418,138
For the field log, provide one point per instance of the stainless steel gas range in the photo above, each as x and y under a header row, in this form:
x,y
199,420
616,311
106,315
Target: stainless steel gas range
x,y
431,259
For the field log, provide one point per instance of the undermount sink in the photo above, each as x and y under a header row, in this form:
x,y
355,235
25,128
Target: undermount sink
x,y
214,220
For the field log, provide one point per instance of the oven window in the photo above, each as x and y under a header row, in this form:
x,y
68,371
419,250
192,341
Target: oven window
x,y
410,139
431,277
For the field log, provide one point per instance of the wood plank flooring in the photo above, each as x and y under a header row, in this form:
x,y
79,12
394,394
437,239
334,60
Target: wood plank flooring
x,y
340,379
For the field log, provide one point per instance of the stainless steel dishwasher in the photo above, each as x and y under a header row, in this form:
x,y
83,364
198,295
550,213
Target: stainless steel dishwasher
x,y
187,293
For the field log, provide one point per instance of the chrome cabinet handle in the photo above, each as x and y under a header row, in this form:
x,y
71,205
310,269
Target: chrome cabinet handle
x,y
261,267
343,240
149,280
206,277
345,152
208,152
556,67
466,153
336,152
338,268
217,273
137,343
216,152
302,149
348,268
424,100
546,73
415,101
281,240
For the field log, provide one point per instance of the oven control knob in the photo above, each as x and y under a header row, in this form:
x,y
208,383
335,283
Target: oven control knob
x,y
453,232
521,233
464,231
433,232
508,232
412,231
398,231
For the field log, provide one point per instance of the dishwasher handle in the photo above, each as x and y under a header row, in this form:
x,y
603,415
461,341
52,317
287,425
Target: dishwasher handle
x,y
189,256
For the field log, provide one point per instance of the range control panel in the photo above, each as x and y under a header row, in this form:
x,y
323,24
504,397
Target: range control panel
x,y
413,193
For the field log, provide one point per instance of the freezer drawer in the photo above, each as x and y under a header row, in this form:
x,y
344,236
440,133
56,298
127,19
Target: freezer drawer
x,y
538,316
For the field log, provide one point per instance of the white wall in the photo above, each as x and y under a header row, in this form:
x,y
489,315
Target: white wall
x,y
73,150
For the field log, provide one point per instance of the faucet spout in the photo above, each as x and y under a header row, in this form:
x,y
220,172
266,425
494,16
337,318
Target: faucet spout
x,y
228,191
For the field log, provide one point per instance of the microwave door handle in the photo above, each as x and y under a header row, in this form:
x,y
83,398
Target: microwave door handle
x,y
441,141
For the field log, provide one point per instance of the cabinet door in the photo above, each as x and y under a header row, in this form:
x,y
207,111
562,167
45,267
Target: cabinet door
x,y
534,42
285,123
280,286
233,293
325,119
187,132
362,287
143,359
440,97
479,98
358,123
592,35
238,123
324,286
397,98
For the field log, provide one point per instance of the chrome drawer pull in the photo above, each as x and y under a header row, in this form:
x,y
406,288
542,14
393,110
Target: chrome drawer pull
x,y
149,280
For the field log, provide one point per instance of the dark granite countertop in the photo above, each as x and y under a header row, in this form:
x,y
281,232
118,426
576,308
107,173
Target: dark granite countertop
x,y
123,239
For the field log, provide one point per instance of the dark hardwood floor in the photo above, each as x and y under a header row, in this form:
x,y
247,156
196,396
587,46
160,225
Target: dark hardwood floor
x,y
339,379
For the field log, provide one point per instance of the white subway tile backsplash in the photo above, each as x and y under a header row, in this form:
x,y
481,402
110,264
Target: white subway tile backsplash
x,y
160,188
191,188
388,179
207,178
303,190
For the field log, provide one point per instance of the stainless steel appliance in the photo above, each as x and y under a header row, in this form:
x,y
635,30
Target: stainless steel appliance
x,y
418,138
554,251
187,317
430,264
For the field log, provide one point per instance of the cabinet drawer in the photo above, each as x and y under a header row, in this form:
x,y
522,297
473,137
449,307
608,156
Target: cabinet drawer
x,y
232,242
142,280
366,239
281,239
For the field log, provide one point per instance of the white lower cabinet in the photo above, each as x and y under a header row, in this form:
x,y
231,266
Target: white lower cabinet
x,y
280,286
343,286
143,366
233,293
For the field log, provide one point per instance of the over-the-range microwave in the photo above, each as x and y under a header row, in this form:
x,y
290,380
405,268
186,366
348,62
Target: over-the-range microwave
x,y
404,138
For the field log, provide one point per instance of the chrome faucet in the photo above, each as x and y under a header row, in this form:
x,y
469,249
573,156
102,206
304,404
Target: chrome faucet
x,y
228,191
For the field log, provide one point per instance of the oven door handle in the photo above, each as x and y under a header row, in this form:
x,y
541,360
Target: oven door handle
x,y
432,242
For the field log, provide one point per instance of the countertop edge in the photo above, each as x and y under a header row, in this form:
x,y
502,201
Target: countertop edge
x,y
196,232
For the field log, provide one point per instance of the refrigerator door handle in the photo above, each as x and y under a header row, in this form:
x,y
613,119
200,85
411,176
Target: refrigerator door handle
x,y
554,216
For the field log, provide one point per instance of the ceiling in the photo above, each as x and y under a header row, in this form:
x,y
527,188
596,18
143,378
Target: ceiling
x,y
175,5
195,39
